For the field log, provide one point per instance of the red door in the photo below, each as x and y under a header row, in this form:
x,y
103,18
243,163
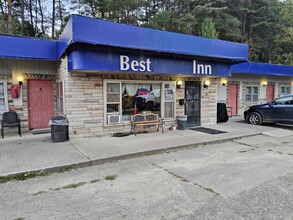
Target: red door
x,y
233,98
41,103
270,92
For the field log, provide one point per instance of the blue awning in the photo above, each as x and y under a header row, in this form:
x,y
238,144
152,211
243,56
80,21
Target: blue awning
x,y
262,69
27,48
93,31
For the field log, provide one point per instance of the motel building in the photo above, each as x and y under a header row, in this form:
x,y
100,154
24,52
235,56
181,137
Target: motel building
x,y
254,83
99,73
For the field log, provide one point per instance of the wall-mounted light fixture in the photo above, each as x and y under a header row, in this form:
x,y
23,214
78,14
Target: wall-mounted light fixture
x,y
265,83
224,82
206,84
178,84
20,80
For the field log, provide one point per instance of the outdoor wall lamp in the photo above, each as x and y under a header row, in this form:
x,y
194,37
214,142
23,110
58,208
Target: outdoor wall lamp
x,y
224,82
265,83
20,80
206,84
178,84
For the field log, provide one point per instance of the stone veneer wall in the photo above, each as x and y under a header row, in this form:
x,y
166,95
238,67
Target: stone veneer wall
x,y
209,103
84,104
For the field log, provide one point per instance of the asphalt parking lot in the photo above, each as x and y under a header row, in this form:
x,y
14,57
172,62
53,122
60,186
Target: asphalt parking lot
x,y
246,178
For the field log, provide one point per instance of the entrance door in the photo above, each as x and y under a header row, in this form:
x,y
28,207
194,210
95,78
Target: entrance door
x,y
270,92
233,98
192,107
41,103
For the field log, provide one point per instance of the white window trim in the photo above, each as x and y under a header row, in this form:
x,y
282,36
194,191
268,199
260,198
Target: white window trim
x,y
258,94
161,83
5,95
163,99
63,92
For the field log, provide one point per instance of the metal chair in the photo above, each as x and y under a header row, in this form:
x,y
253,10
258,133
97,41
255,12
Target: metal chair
x,y
10,119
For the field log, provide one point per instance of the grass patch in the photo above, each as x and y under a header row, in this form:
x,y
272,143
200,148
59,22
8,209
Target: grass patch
x,y
111,177
209,190
38,193
73,186
55,189
242,151
94,181
19,219
25,176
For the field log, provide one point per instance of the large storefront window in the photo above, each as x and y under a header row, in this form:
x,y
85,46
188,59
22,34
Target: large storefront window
x,y
251,93
3,96
124,99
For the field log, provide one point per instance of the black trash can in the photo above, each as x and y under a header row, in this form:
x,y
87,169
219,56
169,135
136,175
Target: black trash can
x,y
59,129
222,114
182,122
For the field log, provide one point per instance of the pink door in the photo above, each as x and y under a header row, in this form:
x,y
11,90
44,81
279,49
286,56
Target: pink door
x,y
41,103
233,98
270,92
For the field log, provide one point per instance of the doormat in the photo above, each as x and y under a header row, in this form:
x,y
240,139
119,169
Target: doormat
x,y
207,130
41,131
120,134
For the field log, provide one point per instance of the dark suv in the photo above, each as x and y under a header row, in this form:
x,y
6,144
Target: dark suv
x,y
279,110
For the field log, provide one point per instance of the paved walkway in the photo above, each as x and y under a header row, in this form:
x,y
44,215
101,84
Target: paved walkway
x,y
35,153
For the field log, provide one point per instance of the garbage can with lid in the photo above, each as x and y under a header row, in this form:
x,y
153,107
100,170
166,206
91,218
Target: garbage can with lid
x,y
59,129
182,122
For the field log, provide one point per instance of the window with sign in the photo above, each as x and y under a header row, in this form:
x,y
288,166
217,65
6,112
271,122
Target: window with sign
x,y
123,99
3,96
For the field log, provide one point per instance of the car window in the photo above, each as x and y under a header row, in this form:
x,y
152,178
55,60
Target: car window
x,y
283,101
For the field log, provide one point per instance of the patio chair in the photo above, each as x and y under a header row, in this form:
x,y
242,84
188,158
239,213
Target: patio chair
x,y
10,119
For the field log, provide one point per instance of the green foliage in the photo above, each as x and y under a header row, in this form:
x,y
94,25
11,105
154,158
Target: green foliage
x,y
208,28
284,39
265,25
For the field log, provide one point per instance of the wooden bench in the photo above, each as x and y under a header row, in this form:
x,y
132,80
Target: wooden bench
x,y
146,120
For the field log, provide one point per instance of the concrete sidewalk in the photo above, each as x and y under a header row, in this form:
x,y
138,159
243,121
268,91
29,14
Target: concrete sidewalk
x,y
36,153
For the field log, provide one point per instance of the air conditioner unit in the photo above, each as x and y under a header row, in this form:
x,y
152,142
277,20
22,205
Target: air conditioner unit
x,y
112,119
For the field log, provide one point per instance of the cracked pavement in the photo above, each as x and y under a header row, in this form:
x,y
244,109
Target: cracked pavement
x,y
247,178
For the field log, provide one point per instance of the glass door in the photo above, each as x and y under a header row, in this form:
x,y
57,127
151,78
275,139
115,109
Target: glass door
x,y
192,107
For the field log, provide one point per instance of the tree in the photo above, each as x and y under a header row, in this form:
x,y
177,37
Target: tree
x,y
284,39
208,28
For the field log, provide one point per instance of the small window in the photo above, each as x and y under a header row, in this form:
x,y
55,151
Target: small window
x,y
169,100
3,96
60,99
251,93
113,102
285,90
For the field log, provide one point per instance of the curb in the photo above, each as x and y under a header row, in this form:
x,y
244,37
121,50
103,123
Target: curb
x,y
67,167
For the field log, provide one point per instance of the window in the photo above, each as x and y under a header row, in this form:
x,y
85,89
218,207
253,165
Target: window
x,y
251,93
3,96
285,90
124,98
169,100
60,99
113,102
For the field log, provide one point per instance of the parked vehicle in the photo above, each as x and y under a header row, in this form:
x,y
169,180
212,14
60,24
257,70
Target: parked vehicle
x,y
277,111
